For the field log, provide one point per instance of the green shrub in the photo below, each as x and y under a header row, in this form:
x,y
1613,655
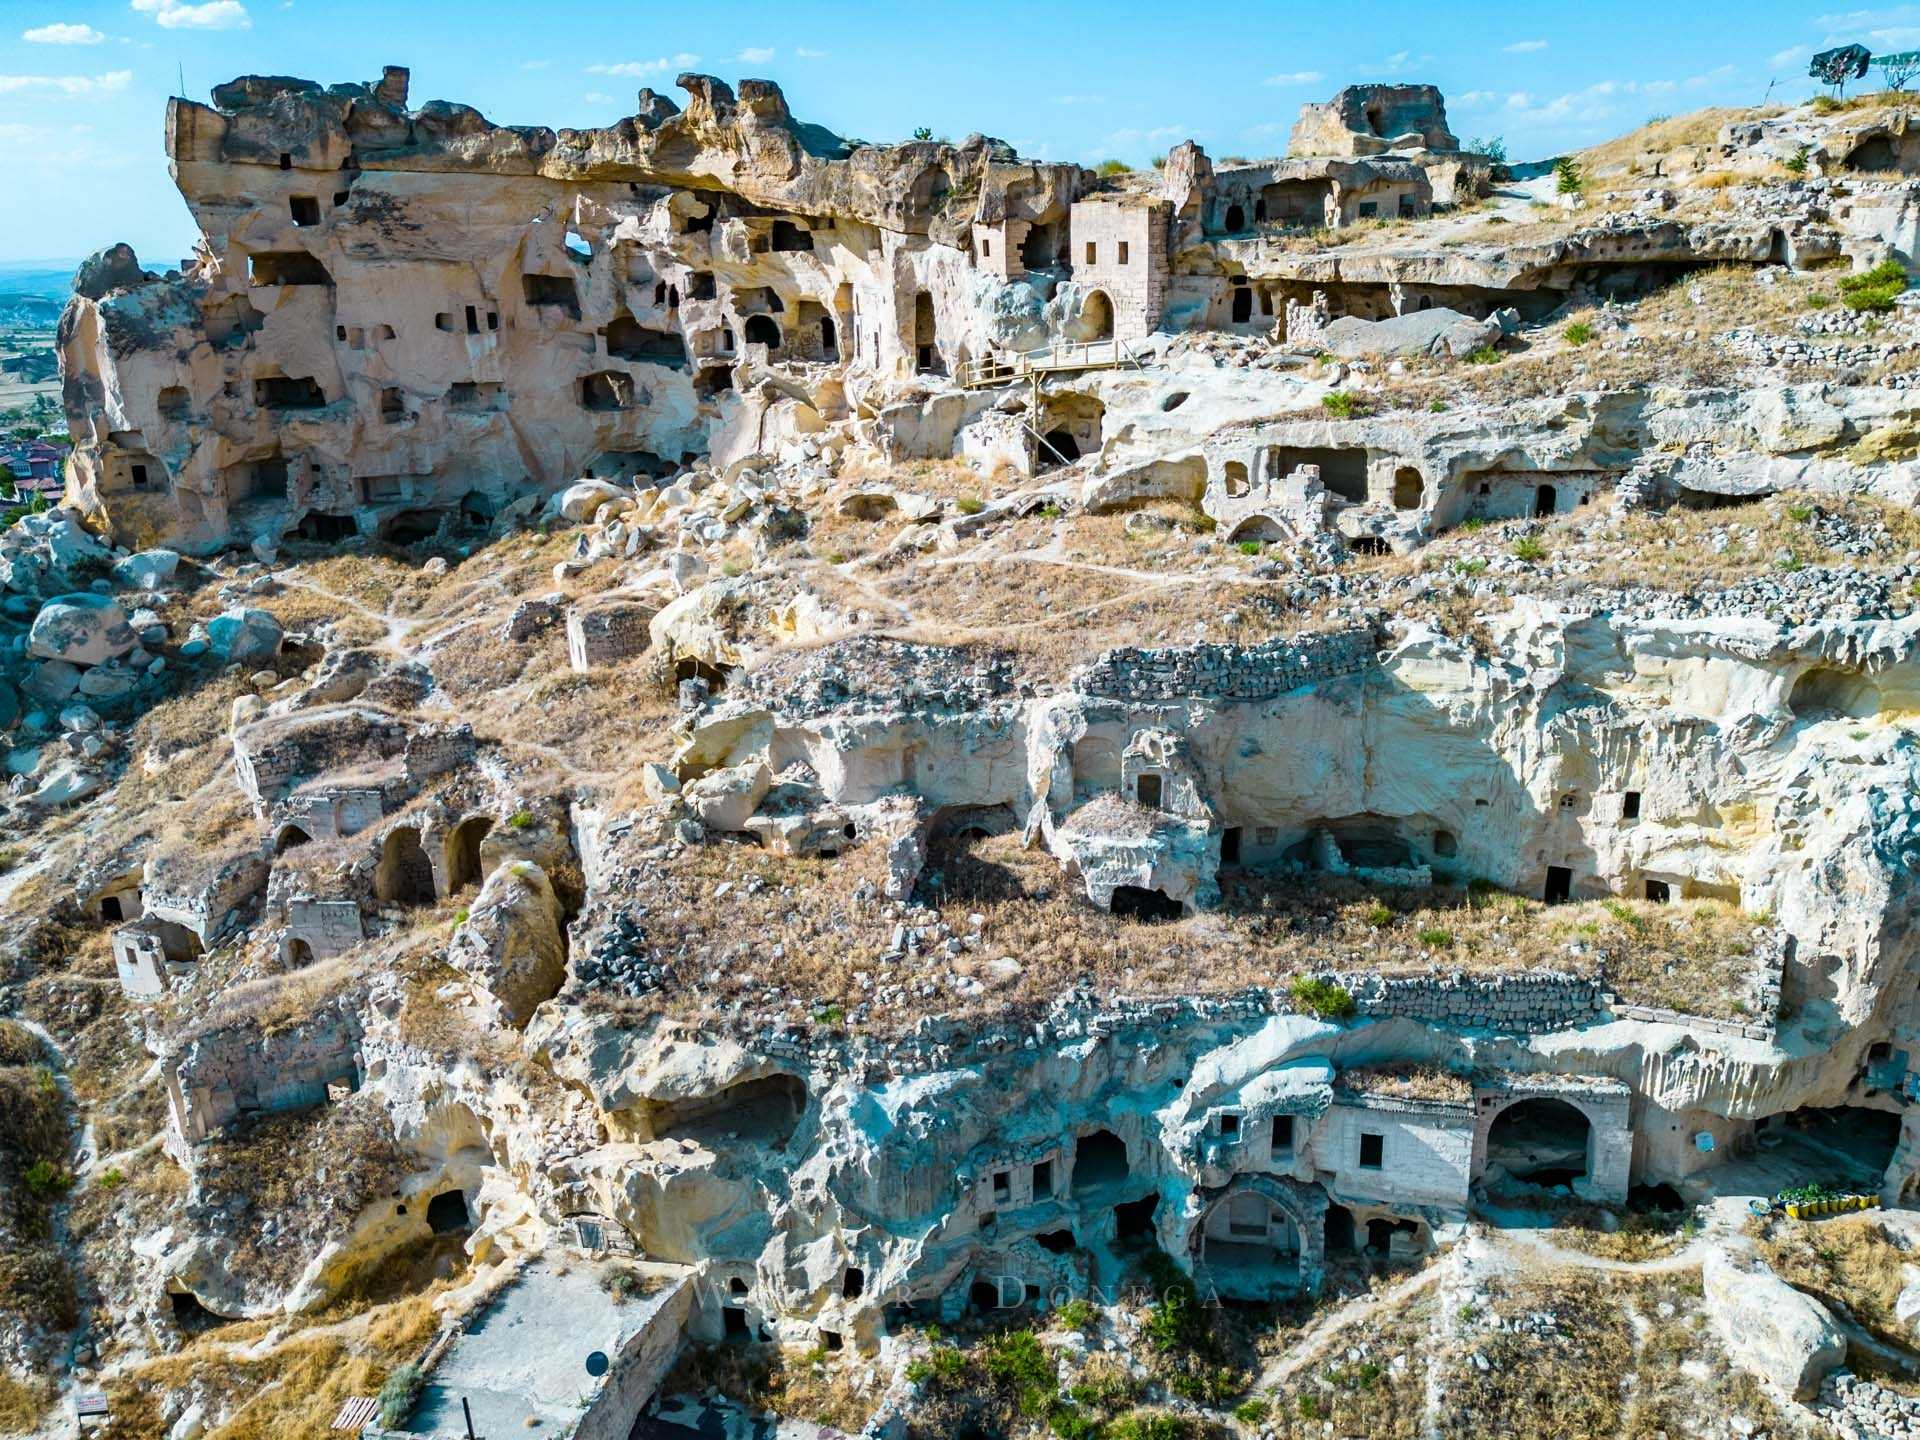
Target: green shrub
x,y
1470,567
1567,179
1321,998
112,1178
969,504
1796,163
1017,1361
1379,916
397,1396
520,820
1343,404
1078,1314
1308,1406
1114,167
1875,290
44,1177
1529,549
1249,547
1252,1412
1150,1425
1482,355
1438,407
1799,514
1579,333
1816,300
1436,939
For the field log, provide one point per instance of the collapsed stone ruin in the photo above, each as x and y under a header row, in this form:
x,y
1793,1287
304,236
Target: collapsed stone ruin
x,y
693,985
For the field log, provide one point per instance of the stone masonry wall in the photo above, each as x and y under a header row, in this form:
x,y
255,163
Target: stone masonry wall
x,y
1528,1002
1227,672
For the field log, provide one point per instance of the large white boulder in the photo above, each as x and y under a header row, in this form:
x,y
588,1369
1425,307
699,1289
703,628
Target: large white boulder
x,y
148,570
584,500
81,629
726,799
510,944
1770,1328
244,634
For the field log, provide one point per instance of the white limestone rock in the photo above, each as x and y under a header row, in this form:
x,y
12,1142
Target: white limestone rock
x,y
1770,1328
510,944
81,629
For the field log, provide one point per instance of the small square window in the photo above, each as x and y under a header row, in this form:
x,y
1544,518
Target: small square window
x,y
1373,1149
1230,1125
1122,257
1091,252
1002,1184
1630,805
305,209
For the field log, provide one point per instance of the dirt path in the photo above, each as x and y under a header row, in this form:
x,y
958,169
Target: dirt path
x,y
1328,1326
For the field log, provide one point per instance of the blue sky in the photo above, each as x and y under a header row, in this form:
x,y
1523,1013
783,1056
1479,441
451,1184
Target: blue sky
x,y
83,83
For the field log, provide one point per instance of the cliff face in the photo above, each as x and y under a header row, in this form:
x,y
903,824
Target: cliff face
x,y
400,316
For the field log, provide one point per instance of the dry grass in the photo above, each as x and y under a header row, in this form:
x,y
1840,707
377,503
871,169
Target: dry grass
x,y
1690,955
1405,1082
1633,1237
1663,136
812,1386
1853,1266
22,1404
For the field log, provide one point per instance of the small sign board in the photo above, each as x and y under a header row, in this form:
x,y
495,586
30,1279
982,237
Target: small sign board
x,y
597,1364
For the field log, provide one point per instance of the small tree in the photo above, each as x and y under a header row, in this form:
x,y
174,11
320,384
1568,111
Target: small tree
x,y
1493,147
1567,179
1897,71
923,133
1837,66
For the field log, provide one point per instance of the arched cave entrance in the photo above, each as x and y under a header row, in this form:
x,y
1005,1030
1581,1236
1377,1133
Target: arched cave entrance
x,y
1542,1141
1098,314
1250,1247
462,851
405,874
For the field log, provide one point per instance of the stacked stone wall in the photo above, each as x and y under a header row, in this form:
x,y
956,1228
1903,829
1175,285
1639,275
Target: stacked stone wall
x,y
1227,672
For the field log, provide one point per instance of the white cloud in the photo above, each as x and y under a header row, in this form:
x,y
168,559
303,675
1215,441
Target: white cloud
x,y
1523,47
755,55
1079,99
1476,97
1294,77
72,86
1791,56
594,97
212,15
805,54
1896,27
62,34
638,68
1402,60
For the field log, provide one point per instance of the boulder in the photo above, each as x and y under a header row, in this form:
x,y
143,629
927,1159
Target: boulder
x,y
584,500
1770,1328
244,634
1420,332
115,268
81,629
52,681
725,800
148,570
510,944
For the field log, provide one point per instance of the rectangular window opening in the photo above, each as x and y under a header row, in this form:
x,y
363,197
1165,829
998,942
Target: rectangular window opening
x,y
1373,1150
